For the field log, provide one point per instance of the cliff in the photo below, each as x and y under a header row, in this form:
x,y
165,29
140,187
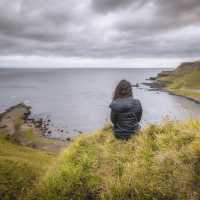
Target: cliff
x,y
15,126
160,162
183,81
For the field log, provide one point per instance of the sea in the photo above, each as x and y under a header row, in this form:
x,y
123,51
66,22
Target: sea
x,y
76,101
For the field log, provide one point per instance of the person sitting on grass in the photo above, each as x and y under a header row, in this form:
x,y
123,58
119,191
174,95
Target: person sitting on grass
x,y
126,111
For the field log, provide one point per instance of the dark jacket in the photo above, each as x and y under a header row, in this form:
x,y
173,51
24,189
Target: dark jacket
x,y
126,114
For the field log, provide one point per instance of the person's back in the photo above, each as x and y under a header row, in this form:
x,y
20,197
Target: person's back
x,y
126,112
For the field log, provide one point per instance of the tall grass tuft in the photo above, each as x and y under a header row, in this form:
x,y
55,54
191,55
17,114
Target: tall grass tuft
x,y
20,168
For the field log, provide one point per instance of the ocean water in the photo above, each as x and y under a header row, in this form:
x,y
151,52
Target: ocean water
x,y
78,99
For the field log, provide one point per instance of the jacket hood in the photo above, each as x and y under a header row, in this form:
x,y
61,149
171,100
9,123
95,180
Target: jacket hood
x,y
123,105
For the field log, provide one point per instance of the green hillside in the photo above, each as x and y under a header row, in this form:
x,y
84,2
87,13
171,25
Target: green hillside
x,y
185,80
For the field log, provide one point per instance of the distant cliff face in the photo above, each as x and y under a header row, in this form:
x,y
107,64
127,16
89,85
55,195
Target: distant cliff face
x,y
183,81
188,66
13,118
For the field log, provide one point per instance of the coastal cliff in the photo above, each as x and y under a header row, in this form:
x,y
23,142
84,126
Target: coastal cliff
x,y
16,126
25,153
183,81
160,162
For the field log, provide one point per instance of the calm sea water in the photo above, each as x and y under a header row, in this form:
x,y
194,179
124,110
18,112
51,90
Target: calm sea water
x,y
78,99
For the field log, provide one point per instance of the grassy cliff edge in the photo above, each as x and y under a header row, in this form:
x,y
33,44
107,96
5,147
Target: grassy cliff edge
x,y
159,163
183,81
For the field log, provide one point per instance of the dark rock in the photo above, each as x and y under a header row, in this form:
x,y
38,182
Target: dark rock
x,y
165,73
33,145
156,84
78,131
136,85
151,79
153,89
3,126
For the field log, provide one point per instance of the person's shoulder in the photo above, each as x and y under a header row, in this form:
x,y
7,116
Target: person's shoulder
x,y
112,104
121,104
116,102
136,101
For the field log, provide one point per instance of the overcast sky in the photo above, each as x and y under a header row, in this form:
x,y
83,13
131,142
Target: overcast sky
x,y
99,33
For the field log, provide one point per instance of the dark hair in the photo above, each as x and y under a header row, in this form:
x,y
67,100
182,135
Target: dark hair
x,y
123,90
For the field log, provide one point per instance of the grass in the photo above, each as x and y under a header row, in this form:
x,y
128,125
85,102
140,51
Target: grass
x,y
185,82
159,163
20,168
29,135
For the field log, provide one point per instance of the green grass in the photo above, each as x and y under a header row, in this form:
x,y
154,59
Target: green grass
x,y
31,136
186,93
160,163
184,82
20,168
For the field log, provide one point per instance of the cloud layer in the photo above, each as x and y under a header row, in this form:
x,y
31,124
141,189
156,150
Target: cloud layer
x,y
100,28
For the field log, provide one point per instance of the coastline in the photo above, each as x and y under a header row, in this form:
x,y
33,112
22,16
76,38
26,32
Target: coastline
x,y
82,170
16,126
154,86
184,96
184,81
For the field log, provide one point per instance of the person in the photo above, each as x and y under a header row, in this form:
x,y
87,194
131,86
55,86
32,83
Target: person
x,y
126,111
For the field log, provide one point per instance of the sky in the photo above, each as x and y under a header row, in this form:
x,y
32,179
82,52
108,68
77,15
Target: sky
x,y
99,33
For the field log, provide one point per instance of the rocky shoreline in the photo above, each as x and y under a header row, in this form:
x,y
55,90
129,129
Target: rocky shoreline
x,y
155,86
159,83
17,126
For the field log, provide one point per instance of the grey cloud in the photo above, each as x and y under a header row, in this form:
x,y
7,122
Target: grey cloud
x,y
100,28
167,15
109,5
105,6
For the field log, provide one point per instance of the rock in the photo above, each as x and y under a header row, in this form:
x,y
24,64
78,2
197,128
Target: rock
x,y
49,132
156,84
136,85
3,126
79,131
13,118
151,79
15,124
34,146
165,73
